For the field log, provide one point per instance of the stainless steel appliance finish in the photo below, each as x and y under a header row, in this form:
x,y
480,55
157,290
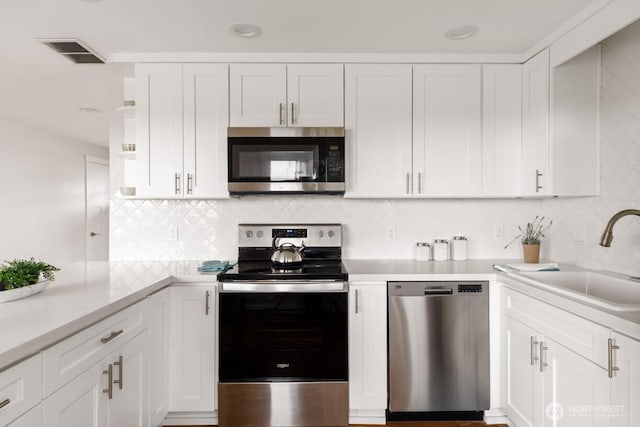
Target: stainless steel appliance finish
x,y
283,336
438,347
284,404
285,132
286,160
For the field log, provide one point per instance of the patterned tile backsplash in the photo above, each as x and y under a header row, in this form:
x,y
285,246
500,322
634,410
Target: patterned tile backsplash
x,y
207,229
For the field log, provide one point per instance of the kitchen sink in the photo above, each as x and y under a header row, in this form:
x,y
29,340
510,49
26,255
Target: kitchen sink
x,y
607,290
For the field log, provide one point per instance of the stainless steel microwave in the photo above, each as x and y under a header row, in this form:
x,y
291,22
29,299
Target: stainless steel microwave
x,y
286,160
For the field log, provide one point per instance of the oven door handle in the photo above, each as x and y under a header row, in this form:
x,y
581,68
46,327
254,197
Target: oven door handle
x,y
288,286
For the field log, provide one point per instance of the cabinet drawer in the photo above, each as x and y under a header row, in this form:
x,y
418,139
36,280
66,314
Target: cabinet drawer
x,y
573,332
74,355
20,388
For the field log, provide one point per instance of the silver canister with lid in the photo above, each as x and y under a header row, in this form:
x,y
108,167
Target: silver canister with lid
x,y
440,250
459,248
423,251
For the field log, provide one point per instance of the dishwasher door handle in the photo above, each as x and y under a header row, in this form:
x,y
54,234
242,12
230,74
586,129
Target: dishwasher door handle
x,y
438,291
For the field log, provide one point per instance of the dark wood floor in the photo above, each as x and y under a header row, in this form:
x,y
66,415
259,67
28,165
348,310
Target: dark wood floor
x,y
420,424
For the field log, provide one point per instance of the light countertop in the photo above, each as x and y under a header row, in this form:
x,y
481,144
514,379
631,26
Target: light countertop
x,y
85,293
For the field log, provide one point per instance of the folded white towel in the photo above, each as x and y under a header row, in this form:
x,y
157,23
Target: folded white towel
x,y
549,266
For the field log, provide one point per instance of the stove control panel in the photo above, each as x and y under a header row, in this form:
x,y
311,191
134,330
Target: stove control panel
x,y
262,235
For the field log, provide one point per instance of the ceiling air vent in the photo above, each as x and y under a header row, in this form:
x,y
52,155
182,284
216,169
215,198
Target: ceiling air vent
x,y
74,50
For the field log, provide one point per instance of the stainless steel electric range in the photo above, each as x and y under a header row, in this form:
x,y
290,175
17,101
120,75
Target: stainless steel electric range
x,y
283,341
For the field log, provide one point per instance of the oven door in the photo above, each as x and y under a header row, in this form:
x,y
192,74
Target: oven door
x,y
283,354
283,333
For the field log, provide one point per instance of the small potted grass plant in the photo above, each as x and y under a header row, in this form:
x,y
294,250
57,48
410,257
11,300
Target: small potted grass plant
x,y
531,237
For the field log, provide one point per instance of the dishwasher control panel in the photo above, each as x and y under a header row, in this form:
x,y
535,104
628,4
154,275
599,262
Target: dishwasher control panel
x,y
439,288
470,288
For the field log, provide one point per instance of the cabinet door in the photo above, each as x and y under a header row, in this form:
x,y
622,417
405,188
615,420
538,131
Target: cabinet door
x,y
258,95
192,373
159,130
625,384
129,405
33,418
573,387
80,403
501,130
367,352
378,130
521,379
158,369
575,121
535,126
315,95
206,118
447,145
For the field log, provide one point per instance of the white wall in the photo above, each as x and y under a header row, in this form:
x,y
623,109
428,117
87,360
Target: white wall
x,y
207,229
42,194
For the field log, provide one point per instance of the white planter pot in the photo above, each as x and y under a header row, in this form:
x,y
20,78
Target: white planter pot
x,y
19,293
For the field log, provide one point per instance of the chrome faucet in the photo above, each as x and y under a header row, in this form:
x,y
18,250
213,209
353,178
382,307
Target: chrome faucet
x,y
607,236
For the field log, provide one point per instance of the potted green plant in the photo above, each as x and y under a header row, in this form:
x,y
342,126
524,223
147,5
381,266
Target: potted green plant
x,y
19,274
530,237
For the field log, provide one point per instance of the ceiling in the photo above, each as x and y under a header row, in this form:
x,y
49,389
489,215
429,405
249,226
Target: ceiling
x,y
43,89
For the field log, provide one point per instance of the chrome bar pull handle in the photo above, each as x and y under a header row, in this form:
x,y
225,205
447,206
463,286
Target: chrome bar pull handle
x,y
281,113
120,365
538,186
357,301
408,182
534,348
419,182
189,183
543,356
111,336
611,369
293,113
206,303
109,389
177,182
4,403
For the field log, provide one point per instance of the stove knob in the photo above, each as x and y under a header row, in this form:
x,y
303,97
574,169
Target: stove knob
x,y
330,233
320,233
249,233
259,234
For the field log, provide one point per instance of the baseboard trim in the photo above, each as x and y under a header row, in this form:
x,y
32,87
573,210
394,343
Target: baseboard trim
x,y
191,418
376,417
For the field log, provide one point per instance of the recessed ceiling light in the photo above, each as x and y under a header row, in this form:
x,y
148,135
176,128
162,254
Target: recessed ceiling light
x,y
246,31
89,110
463,32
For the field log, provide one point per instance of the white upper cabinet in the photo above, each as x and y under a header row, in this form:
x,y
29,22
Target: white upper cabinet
x,y
258,95
315,95
575,121
447,141
535,127
501,130
378,130
278,95
158,129
182,116
206,117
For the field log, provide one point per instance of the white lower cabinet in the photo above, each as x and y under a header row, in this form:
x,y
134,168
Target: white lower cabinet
x,y
193,378
367,352
111,393
625,384
158,334
33,418
20,388
561,370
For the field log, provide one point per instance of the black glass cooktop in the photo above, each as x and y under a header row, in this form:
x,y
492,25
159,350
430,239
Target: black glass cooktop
x,y
265,270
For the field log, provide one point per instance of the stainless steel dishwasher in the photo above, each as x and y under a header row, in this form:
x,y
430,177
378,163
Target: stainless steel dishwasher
x,y
438,350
